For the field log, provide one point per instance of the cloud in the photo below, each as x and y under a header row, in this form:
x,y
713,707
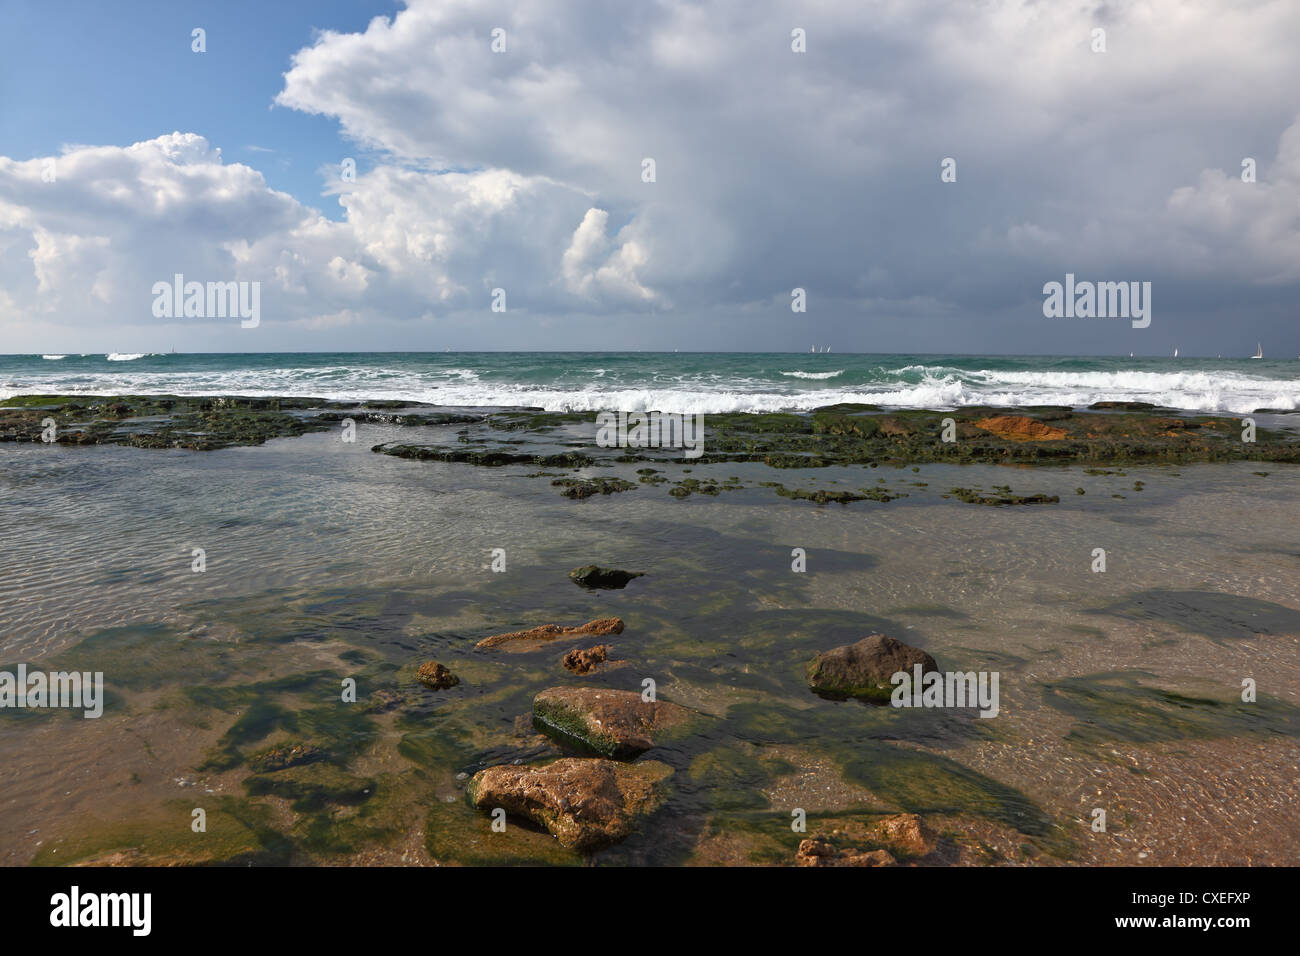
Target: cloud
x,y
774,169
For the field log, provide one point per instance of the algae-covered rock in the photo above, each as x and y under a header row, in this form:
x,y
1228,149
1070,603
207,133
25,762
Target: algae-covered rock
x,y
283,756
594,576
435,675
587,487
864,669
585,803
612,723
1004,496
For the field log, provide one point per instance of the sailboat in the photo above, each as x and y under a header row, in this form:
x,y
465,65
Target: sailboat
x,y
1175,351
1259,350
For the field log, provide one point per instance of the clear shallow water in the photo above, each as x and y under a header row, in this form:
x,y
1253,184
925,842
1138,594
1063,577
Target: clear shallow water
x,y
325,558
674,382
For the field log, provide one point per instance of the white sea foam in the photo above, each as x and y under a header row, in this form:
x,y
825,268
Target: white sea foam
x,y
699,391
53,358
125,356
813,374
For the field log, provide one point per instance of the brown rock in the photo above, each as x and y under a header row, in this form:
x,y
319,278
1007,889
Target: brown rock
x,y
549,632
583,662
432,674
908,834
612,723
585,803
864,669
1020,428
817,851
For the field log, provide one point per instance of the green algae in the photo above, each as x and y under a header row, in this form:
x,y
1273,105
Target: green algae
x,y
1125,706
1213,614
311,787
238,833
733,778
921,782
457,834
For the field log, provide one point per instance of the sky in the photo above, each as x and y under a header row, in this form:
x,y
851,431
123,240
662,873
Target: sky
x,y
381,169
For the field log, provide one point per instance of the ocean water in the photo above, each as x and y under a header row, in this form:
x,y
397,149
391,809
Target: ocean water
x,y
325,561
673,382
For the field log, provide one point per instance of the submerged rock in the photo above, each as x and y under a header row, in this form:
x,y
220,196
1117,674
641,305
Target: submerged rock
x,y
284,756
594,576
612,723
881,842
817,851
584,661
586,487
435,675
1003,497
864,669
384,700
585,803
549,632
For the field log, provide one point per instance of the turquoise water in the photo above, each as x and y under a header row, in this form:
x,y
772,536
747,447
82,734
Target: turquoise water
x,y
674,382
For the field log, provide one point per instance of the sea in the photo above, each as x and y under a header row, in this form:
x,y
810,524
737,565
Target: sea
x,y
324,562
687,382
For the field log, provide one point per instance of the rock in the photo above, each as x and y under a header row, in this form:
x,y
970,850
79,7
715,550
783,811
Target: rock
x,y
284,756
593,576
583,662
612,723
864,669
1020,428
972,497
906,833
432,674
549,632
585,803
817,851
586,487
